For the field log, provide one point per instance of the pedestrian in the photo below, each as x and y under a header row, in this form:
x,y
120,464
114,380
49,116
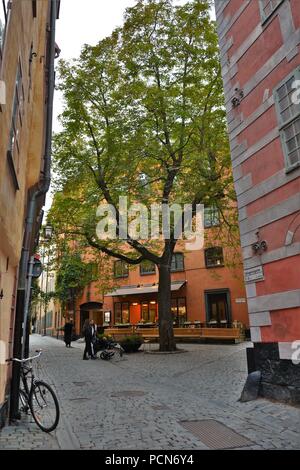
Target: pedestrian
x,y
89,332
68,330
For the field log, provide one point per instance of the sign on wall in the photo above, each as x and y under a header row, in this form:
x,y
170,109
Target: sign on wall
x,y
254,274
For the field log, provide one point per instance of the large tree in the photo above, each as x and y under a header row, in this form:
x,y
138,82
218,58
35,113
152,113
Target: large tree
x,y
143,118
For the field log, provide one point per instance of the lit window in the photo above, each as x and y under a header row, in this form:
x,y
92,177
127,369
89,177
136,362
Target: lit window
x,y
214,257
288,113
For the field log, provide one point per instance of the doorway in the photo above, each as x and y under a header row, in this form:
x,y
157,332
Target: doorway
x,y
218,308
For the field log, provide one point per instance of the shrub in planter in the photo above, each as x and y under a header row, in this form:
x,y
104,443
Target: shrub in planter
x,y
131,343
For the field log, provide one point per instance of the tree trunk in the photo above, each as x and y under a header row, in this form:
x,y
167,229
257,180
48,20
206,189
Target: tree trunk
x,y
166,333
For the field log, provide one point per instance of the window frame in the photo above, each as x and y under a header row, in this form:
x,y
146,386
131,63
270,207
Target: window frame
x,y
175,308
206,257
121,304
283,125
213,209
149,272
177,270
124,274
265,17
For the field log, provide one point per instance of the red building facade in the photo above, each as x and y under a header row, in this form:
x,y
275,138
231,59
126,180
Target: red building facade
x,y
260,58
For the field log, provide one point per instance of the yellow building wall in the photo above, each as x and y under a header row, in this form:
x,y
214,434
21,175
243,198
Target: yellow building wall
x,y
22,31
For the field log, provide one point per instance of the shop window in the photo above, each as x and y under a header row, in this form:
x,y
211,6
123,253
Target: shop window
x,y
177,262
147,267
148,312
287,102
120,269
121,310
214,257
179,312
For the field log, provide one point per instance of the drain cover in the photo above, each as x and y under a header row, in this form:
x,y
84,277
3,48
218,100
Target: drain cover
x,y
215,435
128,393
79,384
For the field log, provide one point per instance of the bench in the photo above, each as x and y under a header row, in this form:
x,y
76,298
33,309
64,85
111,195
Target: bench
x,y
118,333
222,333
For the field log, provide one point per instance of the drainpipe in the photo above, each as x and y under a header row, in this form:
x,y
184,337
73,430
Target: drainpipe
x,y
20,332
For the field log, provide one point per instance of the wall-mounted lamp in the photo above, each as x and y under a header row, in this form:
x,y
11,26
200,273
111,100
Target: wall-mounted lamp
x,y
260,246
237,97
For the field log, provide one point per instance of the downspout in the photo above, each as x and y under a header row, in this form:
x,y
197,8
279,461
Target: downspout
x,y
43,187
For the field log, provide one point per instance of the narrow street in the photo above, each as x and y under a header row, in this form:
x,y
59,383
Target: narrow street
x,y
141,401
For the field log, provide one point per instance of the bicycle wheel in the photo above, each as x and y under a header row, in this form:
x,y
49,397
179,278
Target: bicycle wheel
x,y
44,406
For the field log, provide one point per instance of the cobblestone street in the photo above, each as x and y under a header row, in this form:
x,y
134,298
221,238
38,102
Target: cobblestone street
x,y
203,383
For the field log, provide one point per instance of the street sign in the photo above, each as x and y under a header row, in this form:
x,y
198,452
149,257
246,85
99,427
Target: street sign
x,y
254,274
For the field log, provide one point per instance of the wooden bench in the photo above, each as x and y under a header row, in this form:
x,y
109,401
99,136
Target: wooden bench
x,y
118,333
222,333
148,333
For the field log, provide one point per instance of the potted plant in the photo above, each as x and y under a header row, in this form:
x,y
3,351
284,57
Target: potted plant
x,y
131,343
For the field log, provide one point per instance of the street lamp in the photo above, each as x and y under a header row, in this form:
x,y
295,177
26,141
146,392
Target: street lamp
x,y
48,231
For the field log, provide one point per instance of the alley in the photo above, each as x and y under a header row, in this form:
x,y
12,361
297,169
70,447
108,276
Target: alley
x,y
142,401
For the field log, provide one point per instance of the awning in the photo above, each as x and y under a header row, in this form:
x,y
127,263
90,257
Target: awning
x,y
135,290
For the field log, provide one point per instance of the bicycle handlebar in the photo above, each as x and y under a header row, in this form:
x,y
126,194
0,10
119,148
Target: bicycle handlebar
x,y
22,361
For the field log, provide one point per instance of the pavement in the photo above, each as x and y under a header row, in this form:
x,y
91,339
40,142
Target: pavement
x,y
141,401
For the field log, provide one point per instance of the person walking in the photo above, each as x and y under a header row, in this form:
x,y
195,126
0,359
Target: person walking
x,y
89,335
68,330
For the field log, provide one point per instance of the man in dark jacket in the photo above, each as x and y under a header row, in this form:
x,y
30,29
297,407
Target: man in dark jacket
x,y
68,329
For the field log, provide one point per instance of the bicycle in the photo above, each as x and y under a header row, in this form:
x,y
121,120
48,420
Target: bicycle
x,y
108,349
37,396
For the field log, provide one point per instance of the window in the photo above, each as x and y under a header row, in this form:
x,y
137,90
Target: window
x,y
214,257
17,112
3,20
211,217
267,7
288,113
177,262
120,269
121,312
148,311
178,309
147,267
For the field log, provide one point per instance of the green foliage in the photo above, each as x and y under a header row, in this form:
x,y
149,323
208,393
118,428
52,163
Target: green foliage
x,y
144,117
72,276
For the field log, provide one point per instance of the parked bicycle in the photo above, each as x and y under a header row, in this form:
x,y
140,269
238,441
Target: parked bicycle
x,y
37,396
108,349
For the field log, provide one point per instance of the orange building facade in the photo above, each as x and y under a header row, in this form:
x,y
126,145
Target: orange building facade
x,y
205,290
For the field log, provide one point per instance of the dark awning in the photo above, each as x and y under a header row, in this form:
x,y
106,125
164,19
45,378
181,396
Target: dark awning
x,y
135,290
